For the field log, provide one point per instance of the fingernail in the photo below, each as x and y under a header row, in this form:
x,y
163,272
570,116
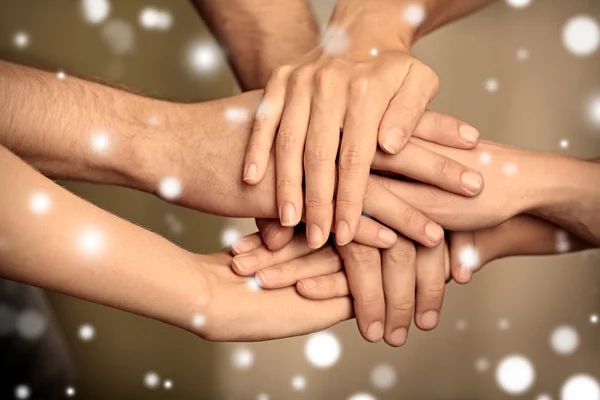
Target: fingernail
x,y
342,233
244,262
429,320
309,284
398,337
250,173
315,236
387,236
375,331
468,133
472,181
393,139
243,246
288,214
434,232
269,274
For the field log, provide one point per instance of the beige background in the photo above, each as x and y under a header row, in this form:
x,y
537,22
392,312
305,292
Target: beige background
x,y
540,102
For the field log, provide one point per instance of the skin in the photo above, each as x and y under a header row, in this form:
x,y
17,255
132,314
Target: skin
x,y
374,99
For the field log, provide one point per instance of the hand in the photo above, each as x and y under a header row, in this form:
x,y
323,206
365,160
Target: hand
x,y
403,267
308,103
238,310
209,163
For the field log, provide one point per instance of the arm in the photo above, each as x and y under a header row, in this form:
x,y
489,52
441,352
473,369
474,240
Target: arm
x,y
53,239
260,35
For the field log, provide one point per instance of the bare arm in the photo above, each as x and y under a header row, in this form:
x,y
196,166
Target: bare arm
x,y
260,35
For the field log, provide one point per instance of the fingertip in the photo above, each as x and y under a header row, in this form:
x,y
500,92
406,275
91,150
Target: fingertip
x,y
288,215
387,237
374,332
246,244
306,288
469,135
428,320
251,174
343,235
472,181
434,233
392,140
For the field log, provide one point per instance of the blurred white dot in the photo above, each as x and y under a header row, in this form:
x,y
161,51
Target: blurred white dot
x,y
264,109
515,374
485,158
203,57
522,54
169,188
482,365
564,340
374,52
253,284
468,257
100,142
154,120
580,387
518,3
298,382
151,380
581,35
414,14
492,85
461,324
90,241
95,11
544,397
242,358
503,324
562,243
168,384
262,396
335,40
230,236
383,376
594,318
362,396
119,36
510,169
61,75
40,203
22,392
86,332
31,324
21,39
70,391
198,321
236,115
564,144
322,349
153,18
593,111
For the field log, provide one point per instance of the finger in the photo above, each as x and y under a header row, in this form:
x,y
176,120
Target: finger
x,y
266,120
407,107
248,263
429,167
274,236
464,257
363,268
392,211
246,244
446,130
371,233
431,284
399,264
323,262
290,146
364,112
328,105
324,287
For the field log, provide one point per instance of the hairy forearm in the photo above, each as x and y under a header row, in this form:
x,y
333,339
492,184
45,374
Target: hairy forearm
x,y
73,128
52,239
260,35
394,26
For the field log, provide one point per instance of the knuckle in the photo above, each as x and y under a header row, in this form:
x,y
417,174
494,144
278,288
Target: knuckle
x,y
402,307
317,156
441,167
363,257
360,86
286,139
350,160
402,254
370,300
326,76
316,202
282,72
410,107
407,216
285,185
255,147
302,75
435,290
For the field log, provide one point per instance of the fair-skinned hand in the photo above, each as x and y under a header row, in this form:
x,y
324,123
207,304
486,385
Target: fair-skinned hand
x,y
305,107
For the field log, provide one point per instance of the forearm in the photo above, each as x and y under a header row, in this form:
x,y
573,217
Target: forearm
x,y
260,35
73,128
394,29
52,239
